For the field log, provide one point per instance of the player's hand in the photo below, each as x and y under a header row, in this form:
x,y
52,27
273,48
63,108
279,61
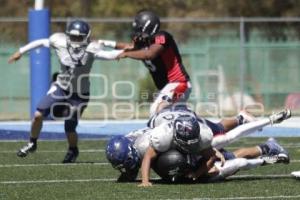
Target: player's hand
x,y
122,55
145,184
16,56
129,47
220,156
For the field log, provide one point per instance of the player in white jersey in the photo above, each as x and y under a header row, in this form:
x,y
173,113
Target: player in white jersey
x,y
174,166
193,135
125,153
69,94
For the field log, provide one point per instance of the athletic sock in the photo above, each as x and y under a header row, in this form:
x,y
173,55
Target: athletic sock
x,y
74,149
33,140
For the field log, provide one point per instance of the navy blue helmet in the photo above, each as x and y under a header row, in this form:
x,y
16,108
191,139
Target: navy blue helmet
x,y
187,133
145,25
78,32
121,153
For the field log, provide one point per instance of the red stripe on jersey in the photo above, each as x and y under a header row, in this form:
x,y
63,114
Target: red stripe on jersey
x,y
175,73
179,91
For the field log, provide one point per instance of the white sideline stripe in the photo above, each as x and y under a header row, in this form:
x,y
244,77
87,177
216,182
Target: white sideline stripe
x,y
51,164
114,179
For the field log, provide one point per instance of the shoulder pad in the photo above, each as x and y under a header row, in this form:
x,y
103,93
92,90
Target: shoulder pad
x,y
161,137
58,39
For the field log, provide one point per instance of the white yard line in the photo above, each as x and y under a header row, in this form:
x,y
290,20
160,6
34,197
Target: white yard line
x,y
78,163
58,181
253,197
114,179
52,164
60,151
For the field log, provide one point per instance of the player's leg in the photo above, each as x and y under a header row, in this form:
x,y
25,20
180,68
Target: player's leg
x,y
78,106
242,118
54,95
171,93
221,141
233,166
248,152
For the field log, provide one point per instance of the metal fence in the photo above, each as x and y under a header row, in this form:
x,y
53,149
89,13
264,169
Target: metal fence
x,y
233,63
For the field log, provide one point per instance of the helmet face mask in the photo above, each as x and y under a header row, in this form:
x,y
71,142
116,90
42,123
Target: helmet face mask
x,y
186,134
145,25
121,154
78,35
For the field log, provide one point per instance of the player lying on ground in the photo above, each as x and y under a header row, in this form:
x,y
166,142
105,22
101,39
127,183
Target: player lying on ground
x,y
192,135
126,152
174,166
70,92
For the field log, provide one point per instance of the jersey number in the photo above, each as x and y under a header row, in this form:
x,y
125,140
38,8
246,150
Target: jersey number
x,y
150,65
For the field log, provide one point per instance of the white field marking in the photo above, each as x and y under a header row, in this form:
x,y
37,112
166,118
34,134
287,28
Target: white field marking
x,y
62,151
258,197
51,164
113,179
58,181
261,176
106,163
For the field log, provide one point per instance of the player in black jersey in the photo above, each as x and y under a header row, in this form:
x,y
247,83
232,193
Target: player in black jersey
x,y
159,52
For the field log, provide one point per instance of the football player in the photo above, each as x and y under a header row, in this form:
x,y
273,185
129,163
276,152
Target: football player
x,y
125,153
70,92
159,52
192,135
175,166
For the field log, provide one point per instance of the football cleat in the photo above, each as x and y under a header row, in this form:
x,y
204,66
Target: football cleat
x,y
280,158
71,156
28,148
274,147
276,153
280,116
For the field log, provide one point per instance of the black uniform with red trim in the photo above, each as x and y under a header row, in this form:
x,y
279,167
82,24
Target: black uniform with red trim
x,y
167,67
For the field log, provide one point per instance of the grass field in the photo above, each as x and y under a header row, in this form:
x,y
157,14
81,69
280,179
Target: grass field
x,y
41,176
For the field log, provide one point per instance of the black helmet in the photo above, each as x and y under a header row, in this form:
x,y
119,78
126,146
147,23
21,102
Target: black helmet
x,y
78,33
171,165
187,134
145,25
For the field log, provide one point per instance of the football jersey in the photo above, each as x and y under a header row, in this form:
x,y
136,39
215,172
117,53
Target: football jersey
x,y
167,67
141,140
74,66
161,137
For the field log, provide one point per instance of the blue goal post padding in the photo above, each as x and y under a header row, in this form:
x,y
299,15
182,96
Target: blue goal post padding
x,y
39,27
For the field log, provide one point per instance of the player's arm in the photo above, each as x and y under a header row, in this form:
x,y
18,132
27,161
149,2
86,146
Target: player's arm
x,y
117,45
210,155
32,45
108,55
150,155
143,54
